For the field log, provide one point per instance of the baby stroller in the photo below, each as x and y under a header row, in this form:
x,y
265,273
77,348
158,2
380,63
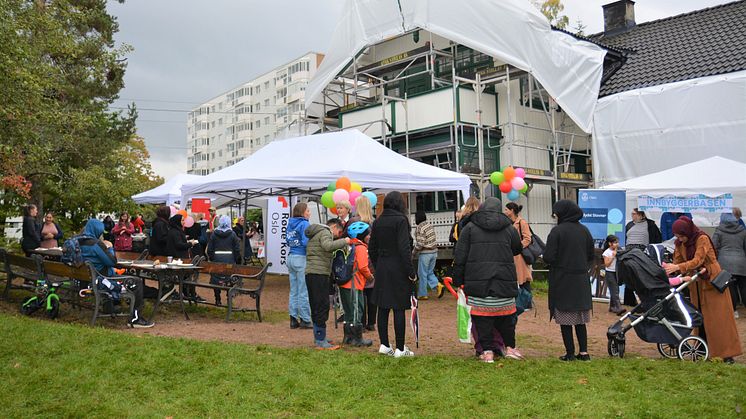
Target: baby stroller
x,y
664,316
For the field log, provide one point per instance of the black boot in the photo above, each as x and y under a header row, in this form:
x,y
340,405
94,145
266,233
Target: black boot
x,y
349,334
359,340
294,323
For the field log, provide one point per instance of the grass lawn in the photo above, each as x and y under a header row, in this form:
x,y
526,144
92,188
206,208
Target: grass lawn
x,y
52,369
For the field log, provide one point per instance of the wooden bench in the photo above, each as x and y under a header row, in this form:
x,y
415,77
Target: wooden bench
x,y
17,266
235,285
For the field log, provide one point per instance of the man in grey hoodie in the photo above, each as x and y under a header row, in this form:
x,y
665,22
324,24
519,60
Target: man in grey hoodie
x,y
321,244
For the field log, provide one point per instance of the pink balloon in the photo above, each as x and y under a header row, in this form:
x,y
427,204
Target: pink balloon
x,y
340,195
173,211
353,196
518,183
189,221
519,172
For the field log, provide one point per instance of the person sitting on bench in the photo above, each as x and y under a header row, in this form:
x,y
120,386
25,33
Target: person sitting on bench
x,y
101,255
223,247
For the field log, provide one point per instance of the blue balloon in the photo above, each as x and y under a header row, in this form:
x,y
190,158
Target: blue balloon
x,y
513,195
371,197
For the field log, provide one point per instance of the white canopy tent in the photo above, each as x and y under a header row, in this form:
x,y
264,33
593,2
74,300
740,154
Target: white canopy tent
x,y
711,177
168,193
512,31
310,163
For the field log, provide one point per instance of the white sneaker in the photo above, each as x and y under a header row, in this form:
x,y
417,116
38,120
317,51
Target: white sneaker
x,y
405,352
385,350
735,314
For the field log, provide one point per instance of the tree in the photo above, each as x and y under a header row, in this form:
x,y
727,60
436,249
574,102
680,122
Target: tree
x,y
579,28
61,71
552,9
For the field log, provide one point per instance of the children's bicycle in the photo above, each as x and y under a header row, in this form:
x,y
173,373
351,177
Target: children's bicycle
x,y
45,297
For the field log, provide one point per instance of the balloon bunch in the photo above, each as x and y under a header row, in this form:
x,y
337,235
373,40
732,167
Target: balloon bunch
x,y
510,181
188,220
345,190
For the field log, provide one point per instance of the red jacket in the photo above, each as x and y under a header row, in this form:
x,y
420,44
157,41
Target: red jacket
x,y
361,269
123,236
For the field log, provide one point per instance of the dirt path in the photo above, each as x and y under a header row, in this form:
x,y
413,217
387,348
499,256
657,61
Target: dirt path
x,y
536,336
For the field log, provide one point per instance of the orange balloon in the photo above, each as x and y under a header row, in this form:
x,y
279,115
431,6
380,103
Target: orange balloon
x,y
509,173
333,210
344,183
183,213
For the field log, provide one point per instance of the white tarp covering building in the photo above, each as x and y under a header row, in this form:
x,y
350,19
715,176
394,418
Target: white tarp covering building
x,y
512,31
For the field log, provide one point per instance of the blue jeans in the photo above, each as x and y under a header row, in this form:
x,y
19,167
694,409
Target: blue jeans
x,y
426,272
298,305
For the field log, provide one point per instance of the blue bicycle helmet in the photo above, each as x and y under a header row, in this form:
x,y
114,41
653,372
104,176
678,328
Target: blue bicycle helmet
x,y
357,228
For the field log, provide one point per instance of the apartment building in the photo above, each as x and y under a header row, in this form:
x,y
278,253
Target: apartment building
x,y
237,123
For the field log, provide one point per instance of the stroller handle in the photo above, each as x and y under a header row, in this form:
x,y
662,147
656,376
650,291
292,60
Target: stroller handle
x,y
685,284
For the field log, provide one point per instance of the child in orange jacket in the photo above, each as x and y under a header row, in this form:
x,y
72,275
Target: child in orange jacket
x,y
352,298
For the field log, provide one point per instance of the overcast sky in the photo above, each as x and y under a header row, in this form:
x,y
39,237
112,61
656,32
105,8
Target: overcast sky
x,y
187,51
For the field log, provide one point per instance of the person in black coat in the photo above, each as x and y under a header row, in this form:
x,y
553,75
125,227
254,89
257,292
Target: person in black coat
x,y
31,238
390,250
177,246
109,225
484,265
159,232
569,254
223,247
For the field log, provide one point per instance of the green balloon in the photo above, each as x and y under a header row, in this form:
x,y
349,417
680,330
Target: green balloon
x,y
497,178
327,199
332,186
524,189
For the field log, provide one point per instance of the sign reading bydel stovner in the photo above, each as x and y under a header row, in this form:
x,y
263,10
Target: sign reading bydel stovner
x,y
691,204
603,213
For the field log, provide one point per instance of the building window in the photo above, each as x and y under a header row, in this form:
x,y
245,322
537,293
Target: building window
x,y
266,102
266,85
258,89
266,121
258,124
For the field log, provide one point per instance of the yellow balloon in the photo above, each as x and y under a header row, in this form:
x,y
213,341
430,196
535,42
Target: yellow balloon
x,y
356,187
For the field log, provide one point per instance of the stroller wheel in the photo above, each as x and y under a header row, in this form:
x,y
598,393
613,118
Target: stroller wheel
x,y
615,347
668,351
693,348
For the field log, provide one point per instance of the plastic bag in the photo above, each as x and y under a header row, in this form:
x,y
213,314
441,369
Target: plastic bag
x,y
463,318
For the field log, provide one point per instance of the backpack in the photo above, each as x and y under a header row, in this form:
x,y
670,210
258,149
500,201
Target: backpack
x,y
343,266
71,254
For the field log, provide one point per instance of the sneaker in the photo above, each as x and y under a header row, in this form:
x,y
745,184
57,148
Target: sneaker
x,y
385,350
441,290
513,353
325,345
198,299
305,325
735,314
294,324
583,357
141,324
567,357
487,356
402,354
424,297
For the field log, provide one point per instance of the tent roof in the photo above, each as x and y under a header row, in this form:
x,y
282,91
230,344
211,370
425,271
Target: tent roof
x,y
312,162
711,177
512,31
168,193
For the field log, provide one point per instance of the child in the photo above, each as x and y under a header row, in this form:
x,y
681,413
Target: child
x,y
352,297
611,244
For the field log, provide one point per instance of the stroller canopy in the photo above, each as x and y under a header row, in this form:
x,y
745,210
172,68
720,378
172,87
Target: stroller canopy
x,y
642,273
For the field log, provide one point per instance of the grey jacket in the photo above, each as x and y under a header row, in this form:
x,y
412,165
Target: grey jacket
x,y
319,249
730,243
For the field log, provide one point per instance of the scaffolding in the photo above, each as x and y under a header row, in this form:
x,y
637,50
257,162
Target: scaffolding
x,y
379,84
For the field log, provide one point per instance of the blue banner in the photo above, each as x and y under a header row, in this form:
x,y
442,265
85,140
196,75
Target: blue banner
x,y
603,213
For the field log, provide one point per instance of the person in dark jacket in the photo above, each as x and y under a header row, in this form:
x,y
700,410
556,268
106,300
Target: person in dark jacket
x,y
159,234
224,247
100,253
30,238
729,241
178,247
194,232
390,249
241,231
108,226
569,254
484,265
453,235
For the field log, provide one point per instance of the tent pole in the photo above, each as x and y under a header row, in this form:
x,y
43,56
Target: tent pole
x,y
245,225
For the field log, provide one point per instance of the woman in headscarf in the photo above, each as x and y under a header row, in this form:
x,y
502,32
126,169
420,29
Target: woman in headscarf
x,y
224,247
695,251
569,254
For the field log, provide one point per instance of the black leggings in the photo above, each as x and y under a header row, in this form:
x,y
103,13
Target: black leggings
x,y
400,327
582,334
487,324
369,314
